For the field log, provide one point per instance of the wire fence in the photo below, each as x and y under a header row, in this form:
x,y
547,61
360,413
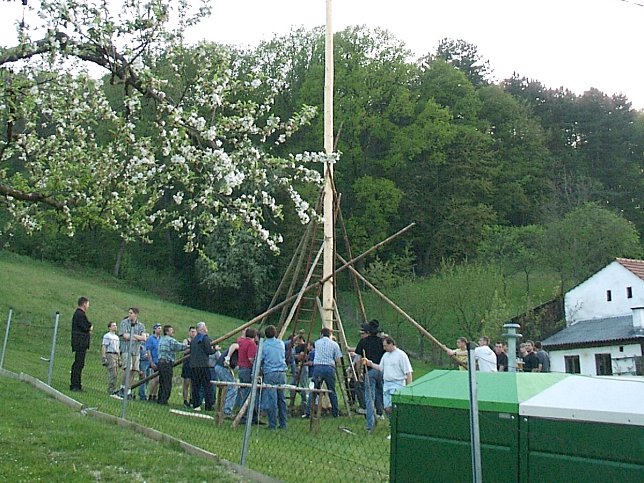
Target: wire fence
x,y
326,449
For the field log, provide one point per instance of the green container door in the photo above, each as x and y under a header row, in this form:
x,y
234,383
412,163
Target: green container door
x,y
433,444
557,450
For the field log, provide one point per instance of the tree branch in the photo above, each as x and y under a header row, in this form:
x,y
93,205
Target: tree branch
x,y
24,52
8,191
104,56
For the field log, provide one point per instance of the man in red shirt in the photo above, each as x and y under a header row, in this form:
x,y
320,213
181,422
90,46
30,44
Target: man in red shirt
x,y
246,356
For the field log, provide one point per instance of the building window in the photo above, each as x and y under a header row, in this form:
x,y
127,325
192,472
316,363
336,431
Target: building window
x,y
603,365
629,292
572,364
609,295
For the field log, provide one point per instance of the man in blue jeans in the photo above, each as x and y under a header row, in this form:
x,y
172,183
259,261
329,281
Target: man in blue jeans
x,y
144,367
371,348
224,368
152,355
273,366
327,355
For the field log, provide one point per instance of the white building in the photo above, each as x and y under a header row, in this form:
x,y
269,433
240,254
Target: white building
x,y
604,332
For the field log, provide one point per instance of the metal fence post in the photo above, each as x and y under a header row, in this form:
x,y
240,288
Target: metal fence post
x,y
128,366
475,436
6,337
53,349
251,406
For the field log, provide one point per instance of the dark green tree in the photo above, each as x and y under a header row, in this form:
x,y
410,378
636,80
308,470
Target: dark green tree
x,y
375,211
585,240
513,249
522,160
466,58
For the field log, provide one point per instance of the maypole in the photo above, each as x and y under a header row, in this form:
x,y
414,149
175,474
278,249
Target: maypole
x,y
328,292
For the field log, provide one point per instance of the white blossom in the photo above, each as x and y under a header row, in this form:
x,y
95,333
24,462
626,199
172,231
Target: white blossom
x,y
205,146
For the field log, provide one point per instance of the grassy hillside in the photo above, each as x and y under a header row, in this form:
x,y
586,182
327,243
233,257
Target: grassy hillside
x,y
37,290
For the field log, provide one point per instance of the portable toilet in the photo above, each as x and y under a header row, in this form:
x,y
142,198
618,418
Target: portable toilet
x,y
431,429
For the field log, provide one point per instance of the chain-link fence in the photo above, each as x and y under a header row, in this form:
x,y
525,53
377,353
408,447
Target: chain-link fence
x,y
326,449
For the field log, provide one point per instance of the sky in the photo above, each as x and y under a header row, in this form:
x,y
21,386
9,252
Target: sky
x,y
577,44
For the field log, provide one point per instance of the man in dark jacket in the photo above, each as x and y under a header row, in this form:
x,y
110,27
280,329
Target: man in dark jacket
x,y
370,346
81,331
200,348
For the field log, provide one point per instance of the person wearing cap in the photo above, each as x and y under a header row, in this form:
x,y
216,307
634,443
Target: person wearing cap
x,y
370,347
152,349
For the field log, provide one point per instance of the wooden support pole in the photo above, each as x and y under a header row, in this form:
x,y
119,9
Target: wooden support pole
x,y
393,305
278,306
300,294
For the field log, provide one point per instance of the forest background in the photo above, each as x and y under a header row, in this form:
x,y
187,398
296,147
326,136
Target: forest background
x,y
518,191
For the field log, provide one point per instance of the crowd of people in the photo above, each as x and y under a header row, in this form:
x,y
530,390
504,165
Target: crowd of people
x,y
378,367
531,356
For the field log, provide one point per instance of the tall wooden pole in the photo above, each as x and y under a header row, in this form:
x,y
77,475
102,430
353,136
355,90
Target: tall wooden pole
x,y
328,292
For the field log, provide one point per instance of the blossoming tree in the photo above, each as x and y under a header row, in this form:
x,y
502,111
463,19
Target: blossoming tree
x,y
188,145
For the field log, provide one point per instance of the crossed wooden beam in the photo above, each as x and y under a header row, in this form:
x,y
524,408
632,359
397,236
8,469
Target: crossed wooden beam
x,y
345,265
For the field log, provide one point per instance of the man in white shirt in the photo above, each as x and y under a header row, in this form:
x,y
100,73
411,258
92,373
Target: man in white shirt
x,y
485,357
396,370
110,356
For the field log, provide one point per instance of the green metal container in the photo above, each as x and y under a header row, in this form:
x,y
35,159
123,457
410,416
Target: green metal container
x,y
431,433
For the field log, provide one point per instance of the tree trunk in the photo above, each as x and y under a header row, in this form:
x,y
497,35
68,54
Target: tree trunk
x,y
171,257
119,259
527,282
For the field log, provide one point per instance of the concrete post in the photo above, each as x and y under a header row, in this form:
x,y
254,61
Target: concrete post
x,y
512,337
50,372
6,337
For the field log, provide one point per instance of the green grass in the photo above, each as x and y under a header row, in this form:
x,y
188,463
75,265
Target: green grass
x,y
43,440
37,290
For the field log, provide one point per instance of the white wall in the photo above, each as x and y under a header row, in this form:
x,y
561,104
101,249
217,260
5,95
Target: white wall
x,y
588,300
622,360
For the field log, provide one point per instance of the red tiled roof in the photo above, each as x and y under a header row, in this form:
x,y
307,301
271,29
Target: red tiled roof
x,y
635,266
